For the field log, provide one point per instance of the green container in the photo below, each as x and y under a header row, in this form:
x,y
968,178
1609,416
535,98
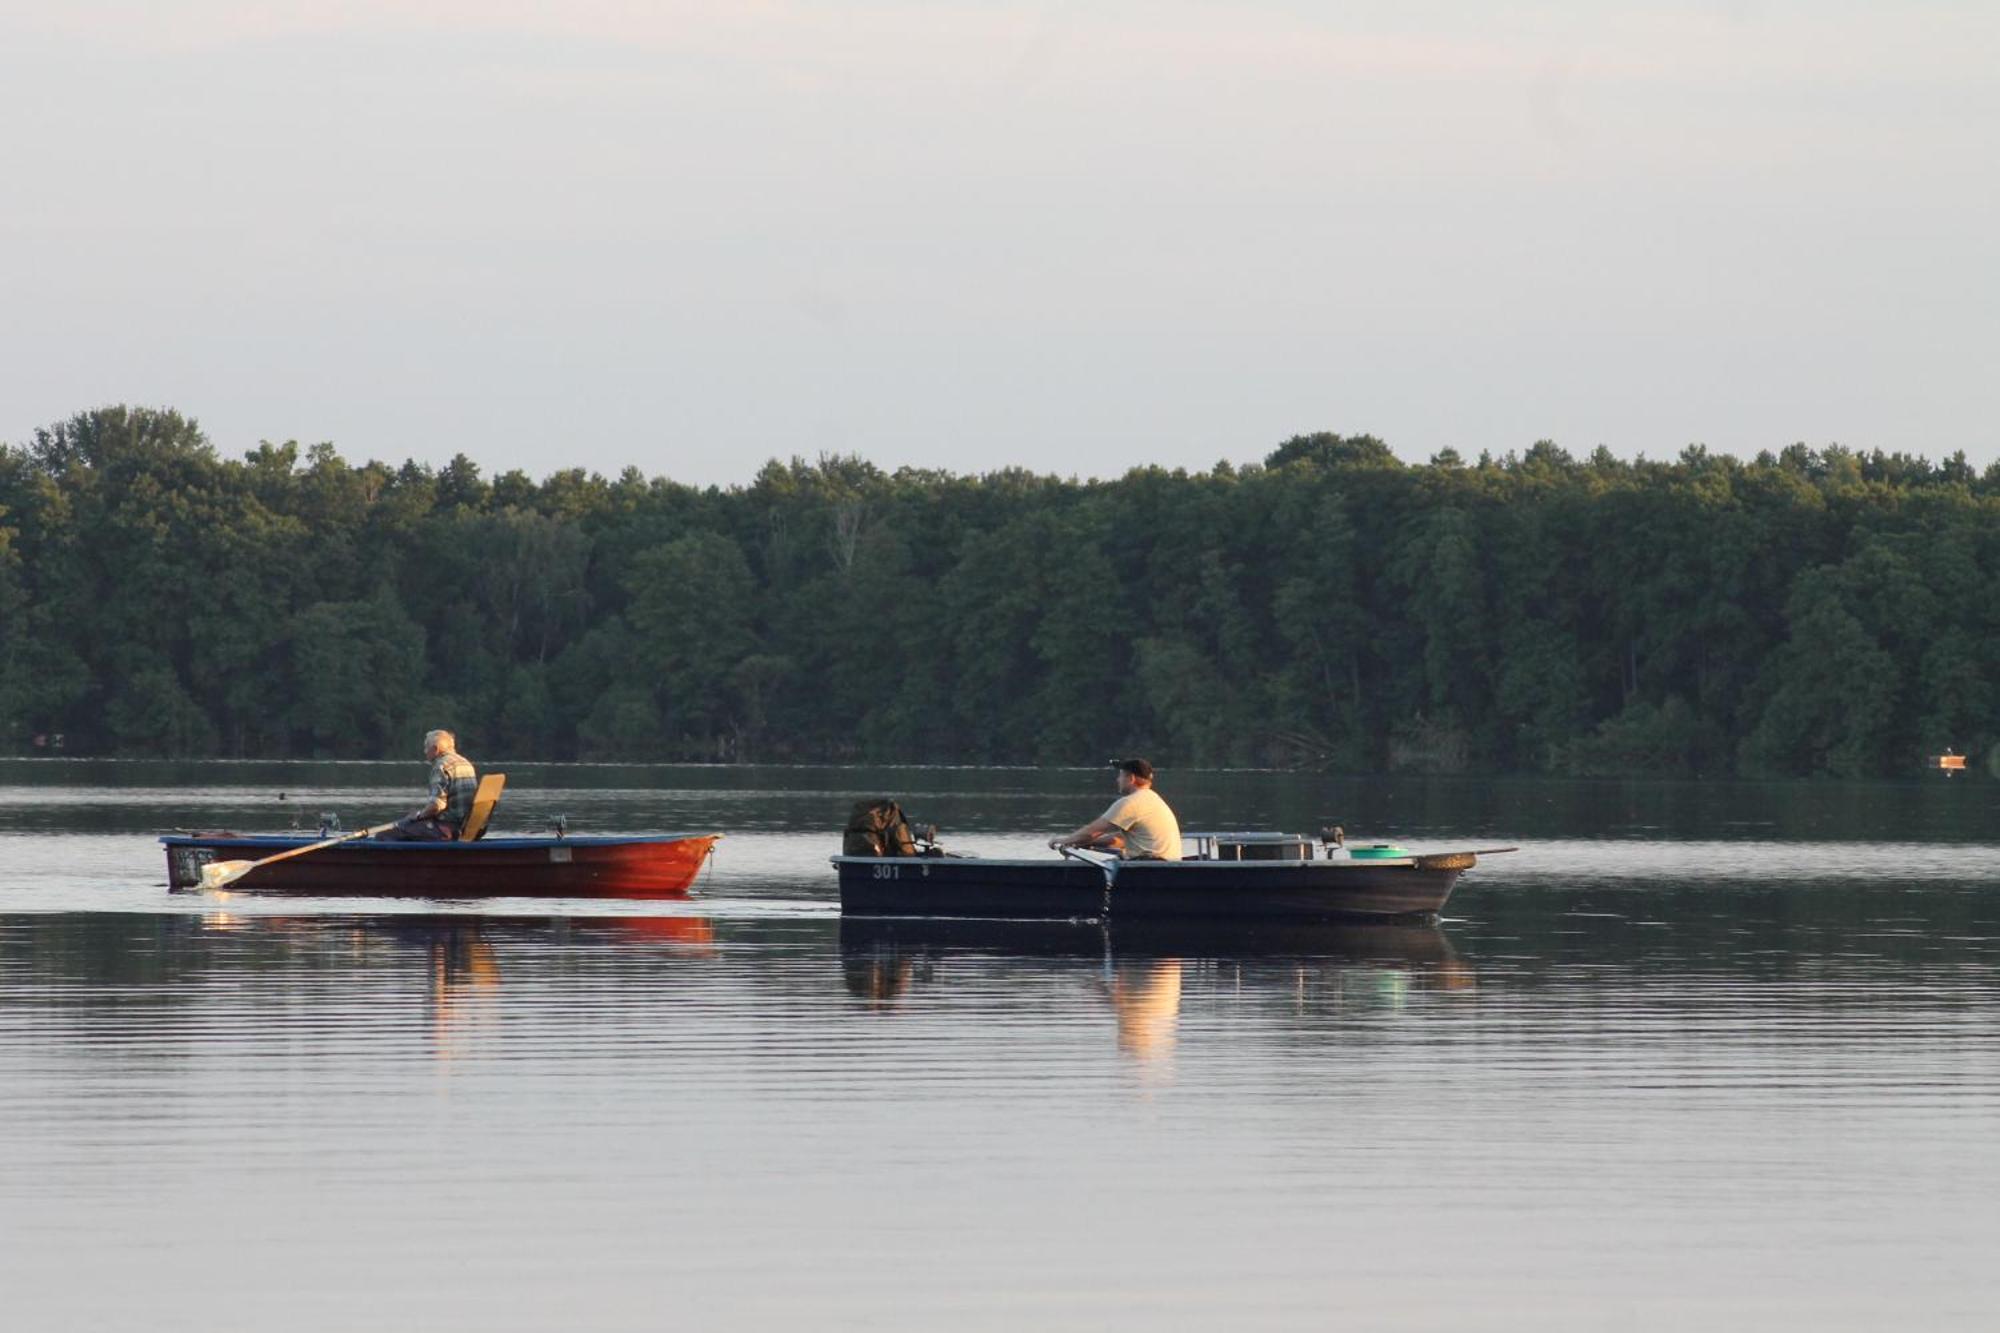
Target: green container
x,y
1377,851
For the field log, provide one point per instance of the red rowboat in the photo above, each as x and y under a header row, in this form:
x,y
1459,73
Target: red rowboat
x,y
661,865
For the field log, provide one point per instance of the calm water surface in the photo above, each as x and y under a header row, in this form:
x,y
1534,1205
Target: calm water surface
x,y
1722,1053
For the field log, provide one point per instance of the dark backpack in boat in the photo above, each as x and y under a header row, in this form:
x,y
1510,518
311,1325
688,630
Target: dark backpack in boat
x,y
877,828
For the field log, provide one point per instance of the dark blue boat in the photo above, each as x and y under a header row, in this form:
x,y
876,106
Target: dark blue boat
x,y
1233,876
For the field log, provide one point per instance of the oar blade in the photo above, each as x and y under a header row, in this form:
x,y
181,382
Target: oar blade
x,y
219,874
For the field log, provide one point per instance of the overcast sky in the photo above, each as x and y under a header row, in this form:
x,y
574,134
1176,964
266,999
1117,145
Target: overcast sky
x,y
1073,237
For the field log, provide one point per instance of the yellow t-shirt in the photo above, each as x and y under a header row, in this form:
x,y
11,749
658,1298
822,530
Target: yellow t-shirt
x,y
1149,826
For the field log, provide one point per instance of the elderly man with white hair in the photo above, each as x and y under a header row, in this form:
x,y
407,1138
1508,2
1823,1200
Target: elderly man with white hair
x,y
453,783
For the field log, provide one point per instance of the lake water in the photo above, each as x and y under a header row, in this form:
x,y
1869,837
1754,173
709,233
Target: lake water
x,y
1724,1055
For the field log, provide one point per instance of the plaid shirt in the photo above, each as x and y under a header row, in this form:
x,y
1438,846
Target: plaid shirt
x,y
453,779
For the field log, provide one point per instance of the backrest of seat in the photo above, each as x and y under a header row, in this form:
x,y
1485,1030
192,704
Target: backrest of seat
x,y
483,802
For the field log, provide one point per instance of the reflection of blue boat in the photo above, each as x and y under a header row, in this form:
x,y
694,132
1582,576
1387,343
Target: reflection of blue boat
x,y
1417,944
1233,876
1367,962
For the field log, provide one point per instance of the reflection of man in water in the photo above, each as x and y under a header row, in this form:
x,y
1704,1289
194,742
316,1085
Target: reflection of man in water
x,y
1138,825
1147,1001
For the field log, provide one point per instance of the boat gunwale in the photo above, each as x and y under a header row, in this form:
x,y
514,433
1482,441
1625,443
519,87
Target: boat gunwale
x,y
279,842
1334,863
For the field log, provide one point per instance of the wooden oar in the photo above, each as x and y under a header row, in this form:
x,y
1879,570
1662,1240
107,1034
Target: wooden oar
x,y
1455,860
220,874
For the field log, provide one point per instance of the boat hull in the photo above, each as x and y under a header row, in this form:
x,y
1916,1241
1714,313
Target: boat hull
x,y
662,866
1407,888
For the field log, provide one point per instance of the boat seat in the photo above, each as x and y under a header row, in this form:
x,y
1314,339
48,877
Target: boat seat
x,y
483,801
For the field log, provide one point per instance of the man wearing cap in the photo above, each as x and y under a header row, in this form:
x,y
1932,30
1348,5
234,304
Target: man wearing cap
x,y
1137,826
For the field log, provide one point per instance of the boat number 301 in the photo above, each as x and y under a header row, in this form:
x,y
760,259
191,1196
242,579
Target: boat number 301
x,y
888,872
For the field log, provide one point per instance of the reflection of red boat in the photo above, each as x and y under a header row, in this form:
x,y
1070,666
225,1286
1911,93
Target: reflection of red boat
x,y
652,866
695,932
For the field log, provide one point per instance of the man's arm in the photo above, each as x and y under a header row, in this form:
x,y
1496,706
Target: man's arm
x,y
435,806
1090,832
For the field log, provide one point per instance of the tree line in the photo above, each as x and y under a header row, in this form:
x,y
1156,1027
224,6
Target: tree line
x,y
1810,611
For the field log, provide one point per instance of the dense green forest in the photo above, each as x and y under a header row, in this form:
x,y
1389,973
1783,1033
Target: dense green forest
x,y
1810,611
